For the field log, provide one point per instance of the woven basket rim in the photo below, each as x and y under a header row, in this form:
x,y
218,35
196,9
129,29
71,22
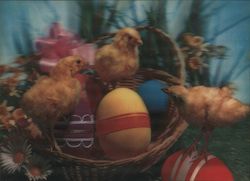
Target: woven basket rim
x,y
180,126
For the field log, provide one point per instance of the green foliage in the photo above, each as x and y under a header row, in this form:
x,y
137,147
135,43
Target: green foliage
x,y
96,18
156,15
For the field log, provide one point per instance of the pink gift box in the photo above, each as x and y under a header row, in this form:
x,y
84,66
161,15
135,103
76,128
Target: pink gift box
x,y
59,44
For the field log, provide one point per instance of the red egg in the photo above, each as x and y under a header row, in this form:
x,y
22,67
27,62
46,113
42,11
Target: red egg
x,y
190,168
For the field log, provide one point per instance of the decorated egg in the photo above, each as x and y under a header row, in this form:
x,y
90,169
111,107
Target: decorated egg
x,y
192,168
153,96
122,124
75,134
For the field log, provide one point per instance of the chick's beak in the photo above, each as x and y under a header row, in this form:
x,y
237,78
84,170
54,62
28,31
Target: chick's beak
x,y
84,64
165,90
170,93
87,69
139,42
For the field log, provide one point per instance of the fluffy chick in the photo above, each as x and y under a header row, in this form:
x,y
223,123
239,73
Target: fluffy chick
x,y
119,59
54,96
211,106
208,107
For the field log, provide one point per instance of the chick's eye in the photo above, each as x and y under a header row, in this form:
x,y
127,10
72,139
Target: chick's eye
x,y
78,61
130,37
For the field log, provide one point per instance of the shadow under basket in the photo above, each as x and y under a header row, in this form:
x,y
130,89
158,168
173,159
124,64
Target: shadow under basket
x,y
79,169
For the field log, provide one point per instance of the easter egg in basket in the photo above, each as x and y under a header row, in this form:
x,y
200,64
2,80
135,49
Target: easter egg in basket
x,y
122,124
75,134
153,96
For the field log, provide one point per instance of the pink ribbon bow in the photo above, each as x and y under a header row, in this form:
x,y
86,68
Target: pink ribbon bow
x,y
59,44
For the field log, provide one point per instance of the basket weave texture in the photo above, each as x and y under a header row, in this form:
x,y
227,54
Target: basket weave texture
x,y
77,169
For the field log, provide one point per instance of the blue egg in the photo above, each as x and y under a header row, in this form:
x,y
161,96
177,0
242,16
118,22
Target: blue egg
x,y
154,98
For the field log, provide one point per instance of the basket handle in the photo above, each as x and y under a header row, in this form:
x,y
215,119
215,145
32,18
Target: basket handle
x,y
175,48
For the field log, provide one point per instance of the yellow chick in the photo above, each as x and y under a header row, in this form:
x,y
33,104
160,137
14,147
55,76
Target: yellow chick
x,y
208,107
119,59
202,105
54,96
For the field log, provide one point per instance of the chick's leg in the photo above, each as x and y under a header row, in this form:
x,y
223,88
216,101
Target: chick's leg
x,y
48,133
195,143
193,147
202,152
52,140
207,132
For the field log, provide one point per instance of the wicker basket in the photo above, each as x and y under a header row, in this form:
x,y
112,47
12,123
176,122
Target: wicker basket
x,y
77,169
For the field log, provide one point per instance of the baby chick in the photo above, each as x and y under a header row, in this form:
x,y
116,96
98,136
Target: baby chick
x,y
208,107
54,96
119,59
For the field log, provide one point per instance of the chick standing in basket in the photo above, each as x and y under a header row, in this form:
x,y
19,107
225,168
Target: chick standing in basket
x,y
54,96
208,107
119,59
